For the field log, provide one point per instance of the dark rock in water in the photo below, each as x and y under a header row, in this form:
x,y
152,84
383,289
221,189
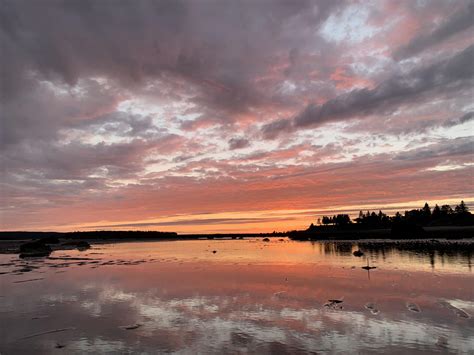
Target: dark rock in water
x,y
214,251
49,240
266,239
80,245
59,346
39,317
334,304
46,332
34,249
368,267
358,253
131,327
372,308
457,311
36,254
22,281
33,246
413,307
280,294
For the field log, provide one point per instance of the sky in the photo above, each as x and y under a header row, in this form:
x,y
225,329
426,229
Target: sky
x,y
231,116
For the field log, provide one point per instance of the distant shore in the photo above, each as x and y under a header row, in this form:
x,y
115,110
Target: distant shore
x,y
11,242
446,232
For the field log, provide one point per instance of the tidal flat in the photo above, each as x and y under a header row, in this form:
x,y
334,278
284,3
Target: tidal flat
x,y
241,296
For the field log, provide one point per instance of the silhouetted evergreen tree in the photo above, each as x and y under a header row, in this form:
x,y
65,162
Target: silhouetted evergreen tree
x,y
461,208
342,220
446,210
427,210
397,217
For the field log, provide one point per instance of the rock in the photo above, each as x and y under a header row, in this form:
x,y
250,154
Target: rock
x,y
368,267
39,317
281,240
280,294
457,311
79,244
34,249
265,239
372,308
334,304
358,253
131,327
46,332
413,307
214,251
50,240
22,281
83,245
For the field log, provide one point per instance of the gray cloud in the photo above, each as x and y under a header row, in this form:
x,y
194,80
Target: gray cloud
x,y
460,21
272,129
120,124
133,41
216,48
40,112
238,143
78,161
447,75
460,120
448,149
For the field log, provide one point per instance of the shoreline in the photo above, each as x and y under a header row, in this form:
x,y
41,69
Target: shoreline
x,y
10,242
446,232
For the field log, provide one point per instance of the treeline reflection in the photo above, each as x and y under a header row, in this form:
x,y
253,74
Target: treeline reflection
x,y
431,252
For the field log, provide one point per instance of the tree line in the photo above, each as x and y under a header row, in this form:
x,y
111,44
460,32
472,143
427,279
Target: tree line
x,y
426,216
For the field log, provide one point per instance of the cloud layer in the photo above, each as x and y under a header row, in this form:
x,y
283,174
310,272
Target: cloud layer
x,y
122,113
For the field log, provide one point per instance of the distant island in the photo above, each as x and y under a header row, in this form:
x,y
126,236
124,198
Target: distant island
x,y
439,222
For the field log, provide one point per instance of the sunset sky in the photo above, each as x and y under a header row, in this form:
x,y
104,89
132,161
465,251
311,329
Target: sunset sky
x,y
228,116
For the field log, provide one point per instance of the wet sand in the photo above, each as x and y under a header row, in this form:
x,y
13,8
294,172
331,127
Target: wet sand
x,y
249,296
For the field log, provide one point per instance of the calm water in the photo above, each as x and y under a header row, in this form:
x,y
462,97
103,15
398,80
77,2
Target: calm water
x,y
249,296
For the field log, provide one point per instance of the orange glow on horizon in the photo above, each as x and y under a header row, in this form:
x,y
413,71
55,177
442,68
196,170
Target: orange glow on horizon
x,y
263,221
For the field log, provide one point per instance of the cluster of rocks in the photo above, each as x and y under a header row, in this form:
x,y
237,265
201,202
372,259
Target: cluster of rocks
x,y
43,248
